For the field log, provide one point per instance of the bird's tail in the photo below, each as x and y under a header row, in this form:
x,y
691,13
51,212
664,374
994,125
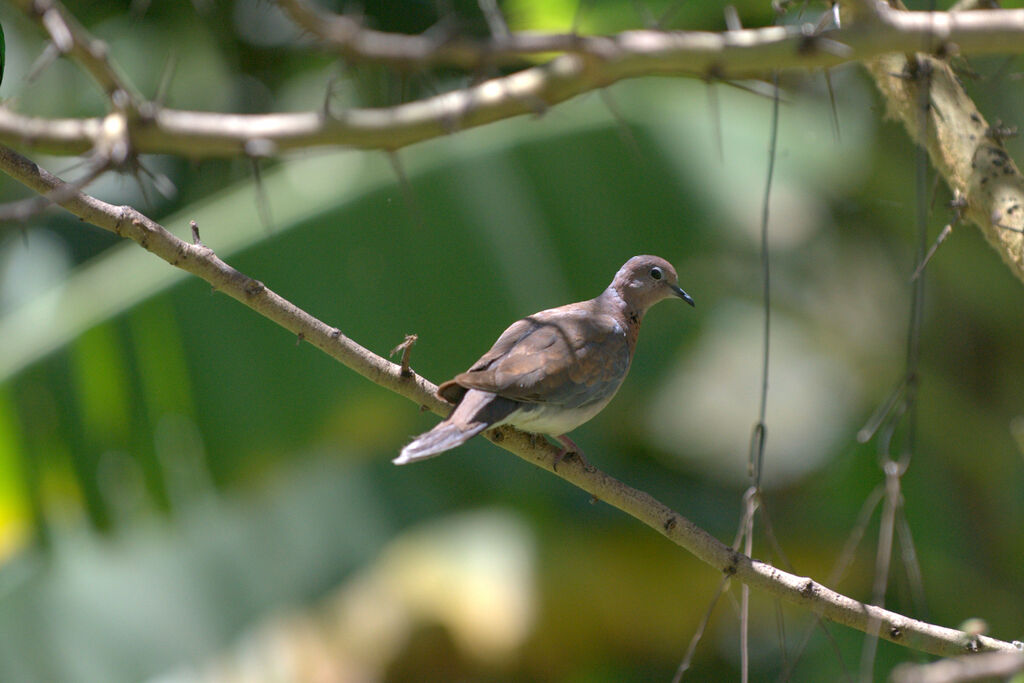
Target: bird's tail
x,y
441,438
477,411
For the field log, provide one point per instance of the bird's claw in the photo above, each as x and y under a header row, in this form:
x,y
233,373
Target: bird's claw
x,y
569,449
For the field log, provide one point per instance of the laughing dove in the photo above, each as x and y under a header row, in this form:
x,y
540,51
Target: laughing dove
x,y
554,370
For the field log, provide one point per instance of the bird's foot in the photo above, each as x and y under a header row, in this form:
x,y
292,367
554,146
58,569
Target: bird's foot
x,y
569,448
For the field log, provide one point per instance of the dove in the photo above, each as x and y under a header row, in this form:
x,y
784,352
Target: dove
x,y
554,370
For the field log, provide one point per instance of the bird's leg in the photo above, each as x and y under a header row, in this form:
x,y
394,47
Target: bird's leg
x,y
568,448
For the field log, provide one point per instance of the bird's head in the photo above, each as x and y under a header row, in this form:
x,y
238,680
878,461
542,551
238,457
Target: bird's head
x,y
645,280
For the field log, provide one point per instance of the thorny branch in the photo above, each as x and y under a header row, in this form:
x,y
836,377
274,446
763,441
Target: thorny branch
x,y
587,63
352,40
962,147
201,261
69,37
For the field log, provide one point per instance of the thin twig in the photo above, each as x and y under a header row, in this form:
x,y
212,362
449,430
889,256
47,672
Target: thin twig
x,y
625,132
262,200
882,562
691,649
24,209
750,502
406,348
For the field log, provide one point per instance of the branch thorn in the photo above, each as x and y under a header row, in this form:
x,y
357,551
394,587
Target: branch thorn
x,y
406,348
195,234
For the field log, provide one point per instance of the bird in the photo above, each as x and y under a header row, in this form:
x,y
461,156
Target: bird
x,y
550,372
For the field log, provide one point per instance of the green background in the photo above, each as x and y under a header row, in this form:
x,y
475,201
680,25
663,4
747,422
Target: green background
x,y
181,482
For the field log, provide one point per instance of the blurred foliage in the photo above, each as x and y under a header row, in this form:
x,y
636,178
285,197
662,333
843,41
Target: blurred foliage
x,y
185,491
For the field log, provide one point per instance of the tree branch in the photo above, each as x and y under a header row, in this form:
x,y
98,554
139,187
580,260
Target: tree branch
x,y
204,263
981,667
963,147
591,62
351,40
71,38
873,26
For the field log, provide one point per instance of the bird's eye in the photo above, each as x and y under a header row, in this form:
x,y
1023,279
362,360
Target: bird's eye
x,y
656,273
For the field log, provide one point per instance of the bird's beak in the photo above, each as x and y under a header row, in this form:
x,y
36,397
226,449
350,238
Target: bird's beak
x,y
682,295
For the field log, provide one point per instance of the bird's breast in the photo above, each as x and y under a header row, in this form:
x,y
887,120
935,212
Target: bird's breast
x,y
546,418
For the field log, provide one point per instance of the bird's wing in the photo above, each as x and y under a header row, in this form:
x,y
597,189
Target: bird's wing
x,y
567,356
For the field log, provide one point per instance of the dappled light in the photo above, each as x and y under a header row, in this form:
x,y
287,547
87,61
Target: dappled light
x,y
228,214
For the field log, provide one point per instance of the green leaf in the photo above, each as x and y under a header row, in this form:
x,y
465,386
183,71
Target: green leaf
x,y
2,50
